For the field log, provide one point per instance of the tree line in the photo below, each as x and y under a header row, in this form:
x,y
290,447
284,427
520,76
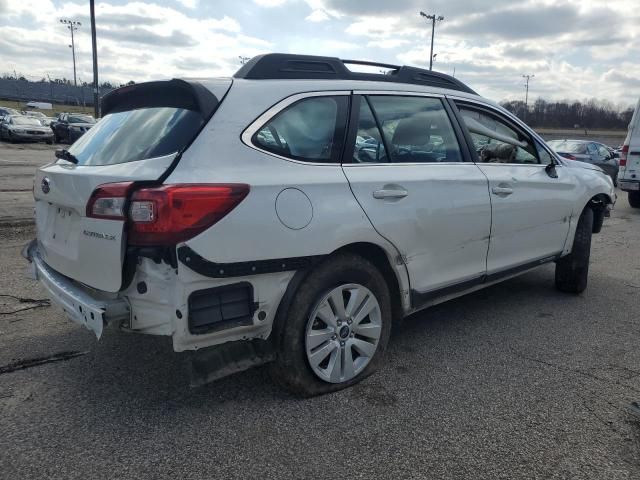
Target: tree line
x,y
64,81
592,114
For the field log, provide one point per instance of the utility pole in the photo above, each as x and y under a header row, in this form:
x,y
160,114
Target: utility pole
x,y
526,95
433,19
96,91
72,25
51,88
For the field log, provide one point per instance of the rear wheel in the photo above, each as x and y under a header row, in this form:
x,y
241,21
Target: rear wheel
x,y
572,271
634,199
336,328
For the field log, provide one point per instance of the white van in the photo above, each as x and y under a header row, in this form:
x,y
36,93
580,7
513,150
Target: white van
x,y
629,176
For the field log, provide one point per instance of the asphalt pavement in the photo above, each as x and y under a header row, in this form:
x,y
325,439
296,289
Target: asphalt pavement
x,y
515,381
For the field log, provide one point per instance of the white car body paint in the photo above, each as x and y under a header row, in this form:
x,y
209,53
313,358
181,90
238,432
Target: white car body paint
x,y
440,235
630,173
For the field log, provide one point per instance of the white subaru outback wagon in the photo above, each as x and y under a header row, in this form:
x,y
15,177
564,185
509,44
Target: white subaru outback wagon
x,y
289,214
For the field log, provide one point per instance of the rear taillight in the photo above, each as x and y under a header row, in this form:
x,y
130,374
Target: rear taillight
x,y
170,214
568,156
623,155
109,201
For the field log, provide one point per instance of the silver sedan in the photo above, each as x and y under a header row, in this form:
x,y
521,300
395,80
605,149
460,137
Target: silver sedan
x,y
26,129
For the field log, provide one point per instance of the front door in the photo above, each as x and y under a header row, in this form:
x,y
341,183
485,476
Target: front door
x,y
411,176
531,208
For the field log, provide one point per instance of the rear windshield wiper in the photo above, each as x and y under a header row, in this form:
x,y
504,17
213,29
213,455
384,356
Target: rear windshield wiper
x,y
65,155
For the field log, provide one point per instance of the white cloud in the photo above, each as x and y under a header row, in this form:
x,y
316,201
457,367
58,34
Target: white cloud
x,y
139,41
318,16
387,43
270,3
189,3
588,48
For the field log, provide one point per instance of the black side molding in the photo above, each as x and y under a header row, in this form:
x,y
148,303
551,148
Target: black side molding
x,y
419,299
240,269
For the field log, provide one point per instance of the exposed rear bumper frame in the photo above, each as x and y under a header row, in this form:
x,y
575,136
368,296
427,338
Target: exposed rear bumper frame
x,y
80,306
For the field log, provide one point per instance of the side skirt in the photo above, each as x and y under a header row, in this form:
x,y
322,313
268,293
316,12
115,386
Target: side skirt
x,y
422,300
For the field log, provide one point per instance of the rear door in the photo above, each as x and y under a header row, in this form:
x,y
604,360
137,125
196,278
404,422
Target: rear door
x,y
143,129
410,174
530,208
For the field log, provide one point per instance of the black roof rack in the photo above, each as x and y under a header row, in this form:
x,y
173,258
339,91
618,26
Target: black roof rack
x,y
289,66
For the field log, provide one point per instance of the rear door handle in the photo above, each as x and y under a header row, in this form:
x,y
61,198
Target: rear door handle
x,y
390,193
502,191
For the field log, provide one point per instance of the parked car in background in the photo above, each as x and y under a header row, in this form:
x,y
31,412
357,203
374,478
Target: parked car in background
x,y
19,128
630,160
47,121
289,216
589,152
38,115
71,126
8,111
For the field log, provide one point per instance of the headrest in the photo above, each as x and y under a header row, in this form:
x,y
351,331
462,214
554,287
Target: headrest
x,y
415,130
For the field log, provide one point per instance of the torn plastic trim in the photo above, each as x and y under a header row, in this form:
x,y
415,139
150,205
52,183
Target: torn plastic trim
x,y
240,269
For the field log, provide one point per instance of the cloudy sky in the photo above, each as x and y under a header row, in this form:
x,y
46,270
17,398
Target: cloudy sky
x,y
577,49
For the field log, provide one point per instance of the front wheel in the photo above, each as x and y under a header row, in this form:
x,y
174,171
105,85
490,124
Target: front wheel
x,y
572,271
336,329
634,199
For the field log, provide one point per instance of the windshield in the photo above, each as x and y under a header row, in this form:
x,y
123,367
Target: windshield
x,y
137,135
26,121
568,147
81,119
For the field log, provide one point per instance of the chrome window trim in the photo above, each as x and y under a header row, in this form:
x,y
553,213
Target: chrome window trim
x,y
388,164
398,93
259,122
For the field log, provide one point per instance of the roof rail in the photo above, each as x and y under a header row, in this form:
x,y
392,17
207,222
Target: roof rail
x,y
289,66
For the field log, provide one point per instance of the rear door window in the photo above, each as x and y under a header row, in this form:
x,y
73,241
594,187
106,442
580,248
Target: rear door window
x,y
415,129
137,135
311,130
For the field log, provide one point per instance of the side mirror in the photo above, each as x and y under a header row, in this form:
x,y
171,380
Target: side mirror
x,y
551,170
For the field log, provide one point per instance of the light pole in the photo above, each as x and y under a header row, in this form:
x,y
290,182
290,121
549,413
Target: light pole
x,y
526,95
96,92
72,25
434,18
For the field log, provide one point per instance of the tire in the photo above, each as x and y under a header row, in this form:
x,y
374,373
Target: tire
x,y
572,271
345,272
634,199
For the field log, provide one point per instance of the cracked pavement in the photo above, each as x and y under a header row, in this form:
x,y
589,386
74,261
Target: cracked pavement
x,y
515,381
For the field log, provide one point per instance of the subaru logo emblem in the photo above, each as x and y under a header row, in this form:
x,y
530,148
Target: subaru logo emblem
x,y
45,185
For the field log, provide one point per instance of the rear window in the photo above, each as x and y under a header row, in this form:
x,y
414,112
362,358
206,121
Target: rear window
x,y
568,147
81,119
137,135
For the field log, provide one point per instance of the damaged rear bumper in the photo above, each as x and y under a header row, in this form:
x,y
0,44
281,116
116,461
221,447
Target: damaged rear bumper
x,y
80,305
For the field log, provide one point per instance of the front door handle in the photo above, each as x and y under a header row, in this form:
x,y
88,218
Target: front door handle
x,y
390,193
502,191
